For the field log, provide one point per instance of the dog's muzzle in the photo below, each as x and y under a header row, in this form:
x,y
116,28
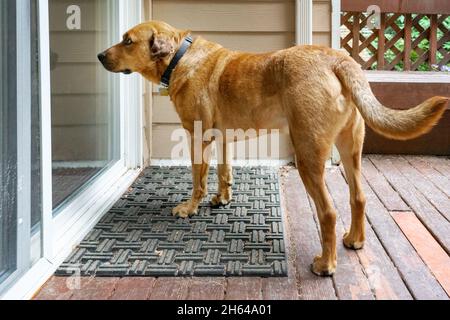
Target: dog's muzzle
x,y
102,57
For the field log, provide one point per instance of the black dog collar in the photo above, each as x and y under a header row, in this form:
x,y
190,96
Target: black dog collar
x,y
165,79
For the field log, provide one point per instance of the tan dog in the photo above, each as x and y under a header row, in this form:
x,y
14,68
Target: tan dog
x,y
320,94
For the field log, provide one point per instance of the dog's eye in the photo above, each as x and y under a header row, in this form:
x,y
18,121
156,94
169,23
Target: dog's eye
x,y
128,42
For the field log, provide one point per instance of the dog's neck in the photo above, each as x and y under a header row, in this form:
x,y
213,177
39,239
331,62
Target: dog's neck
x,y
154,71
185,45
193,60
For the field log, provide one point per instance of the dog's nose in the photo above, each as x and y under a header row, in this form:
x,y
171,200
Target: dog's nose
x,y
102,57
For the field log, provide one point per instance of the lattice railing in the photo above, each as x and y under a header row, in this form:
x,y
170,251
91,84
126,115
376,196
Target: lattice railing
x,y
402,40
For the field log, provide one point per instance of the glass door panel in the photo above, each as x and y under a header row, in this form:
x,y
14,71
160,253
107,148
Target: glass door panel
x,y
8,141
85,98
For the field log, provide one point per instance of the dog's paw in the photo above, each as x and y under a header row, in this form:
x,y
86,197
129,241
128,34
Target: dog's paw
x,y
185,209
323,268
219,200
352,242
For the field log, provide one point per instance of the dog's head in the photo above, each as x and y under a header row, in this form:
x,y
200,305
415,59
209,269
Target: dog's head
x,y
147,49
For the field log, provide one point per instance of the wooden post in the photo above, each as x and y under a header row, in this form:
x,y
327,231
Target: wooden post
x,y
407,39
381,42
433,39
355,33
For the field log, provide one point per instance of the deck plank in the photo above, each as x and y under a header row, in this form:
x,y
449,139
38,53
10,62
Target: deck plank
x,y
431,252
56,288
283,288
430,216
437,178
383,277
388,196
166,288
244,289
95,288
207,288
350,281
441,164
420,282
304,239
434,195
279,289
138,288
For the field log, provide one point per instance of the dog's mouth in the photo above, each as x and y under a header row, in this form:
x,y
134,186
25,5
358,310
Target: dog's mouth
x,y
111,68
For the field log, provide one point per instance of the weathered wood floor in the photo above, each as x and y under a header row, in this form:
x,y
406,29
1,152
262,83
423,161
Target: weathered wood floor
x,y
406,255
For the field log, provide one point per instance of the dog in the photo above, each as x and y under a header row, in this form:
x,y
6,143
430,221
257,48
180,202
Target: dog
x,y
319,94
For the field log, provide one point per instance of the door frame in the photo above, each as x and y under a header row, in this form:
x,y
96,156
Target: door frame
x,y
60,233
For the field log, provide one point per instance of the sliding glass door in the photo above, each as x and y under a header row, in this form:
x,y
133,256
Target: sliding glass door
x,y
85,98
8,139
68,148
20,153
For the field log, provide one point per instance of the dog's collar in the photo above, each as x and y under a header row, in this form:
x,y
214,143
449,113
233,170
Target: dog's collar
x,y
165,79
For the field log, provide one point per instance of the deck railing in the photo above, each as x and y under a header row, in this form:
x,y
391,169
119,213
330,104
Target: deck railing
x,y
409,35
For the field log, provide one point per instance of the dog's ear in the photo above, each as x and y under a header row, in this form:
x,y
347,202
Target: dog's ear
x,y
160,46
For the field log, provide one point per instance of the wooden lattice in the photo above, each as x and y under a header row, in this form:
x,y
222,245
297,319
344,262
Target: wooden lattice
x,y
396,46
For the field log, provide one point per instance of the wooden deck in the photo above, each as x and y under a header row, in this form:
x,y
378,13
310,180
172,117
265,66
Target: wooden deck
x,y
406,255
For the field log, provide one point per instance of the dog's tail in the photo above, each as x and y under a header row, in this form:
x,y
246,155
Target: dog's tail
x,y
394,124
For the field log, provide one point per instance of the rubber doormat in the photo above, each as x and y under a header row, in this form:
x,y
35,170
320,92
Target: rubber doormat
x,y
140,237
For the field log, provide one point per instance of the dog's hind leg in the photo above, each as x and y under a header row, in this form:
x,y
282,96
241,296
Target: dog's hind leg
x,y
311,158
350,143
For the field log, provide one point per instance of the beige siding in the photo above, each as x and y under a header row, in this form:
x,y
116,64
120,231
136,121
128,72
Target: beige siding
x,y
257,26
322,22
197,15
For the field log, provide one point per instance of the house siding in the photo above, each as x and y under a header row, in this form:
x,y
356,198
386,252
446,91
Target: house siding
x,y
255,26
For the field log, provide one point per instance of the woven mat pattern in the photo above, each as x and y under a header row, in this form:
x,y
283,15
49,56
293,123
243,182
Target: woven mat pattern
x,y
140,237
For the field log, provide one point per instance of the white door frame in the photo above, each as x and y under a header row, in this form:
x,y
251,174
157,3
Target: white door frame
x,y
303,22
62,232
335,24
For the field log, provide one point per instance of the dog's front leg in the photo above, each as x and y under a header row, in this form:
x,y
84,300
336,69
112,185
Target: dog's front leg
x,y
225,175
200,170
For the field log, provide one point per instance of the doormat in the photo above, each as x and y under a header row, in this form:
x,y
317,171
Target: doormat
x,y
139,236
